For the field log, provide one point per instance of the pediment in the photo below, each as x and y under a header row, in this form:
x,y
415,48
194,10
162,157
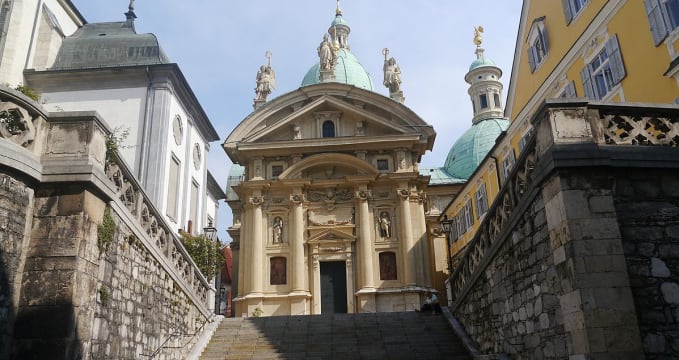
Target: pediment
x,y
331,235
349,119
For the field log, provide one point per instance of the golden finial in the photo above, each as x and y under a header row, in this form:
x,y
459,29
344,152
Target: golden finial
x,y
338,11
478,39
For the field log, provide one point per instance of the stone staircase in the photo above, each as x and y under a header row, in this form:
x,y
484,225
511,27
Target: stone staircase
x,y
405,335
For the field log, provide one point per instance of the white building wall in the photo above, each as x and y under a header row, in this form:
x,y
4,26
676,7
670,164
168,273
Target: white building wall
x,y
121,109
18,46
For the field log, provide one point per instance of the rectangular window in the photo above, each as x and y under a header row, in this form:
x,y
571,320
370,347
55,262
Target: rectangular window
x,y
382,164
538,45
507,164
481,201
571,8
496,98
524,140
193,210
663,16
173,189
604,72
483,98
468,215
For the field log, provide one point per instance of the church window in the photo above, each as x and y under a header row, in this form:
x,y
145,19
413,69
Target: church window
x,y
388,266
496,99
663,16
538,46
464,219
328,129
571,8
382,164
481,201
278,271
173,189
604,72
483,99
507,164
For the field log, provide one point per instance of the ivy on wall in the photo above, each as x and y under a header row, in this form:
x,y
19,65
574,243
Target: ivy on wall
x,y
205,253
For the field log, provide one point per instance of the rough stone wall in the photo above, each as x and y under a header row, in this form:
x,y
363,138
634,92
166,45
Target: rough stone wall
x,y
57,298
648,214
16,201
140,307
514,307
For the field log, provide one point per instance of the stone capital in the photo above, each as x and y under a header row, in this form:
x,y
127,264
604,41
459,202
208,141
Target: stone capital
x,y
297,199
363,195
255,201
404,194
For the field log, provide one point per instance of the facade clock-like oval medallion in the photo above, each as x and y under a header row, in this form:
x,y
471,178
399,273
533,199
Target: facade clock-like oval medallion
x,y
178,129
197,155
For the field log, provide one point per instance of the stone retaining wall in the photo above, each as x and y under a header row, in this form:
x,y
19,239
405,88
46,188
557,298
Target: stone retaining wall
x,y
140,309
15,199
648,215
513,307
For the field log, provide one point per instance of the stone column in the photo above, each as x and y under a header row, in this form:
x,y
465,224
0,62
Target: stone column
x,y
257,245
297,244
407,231
365,240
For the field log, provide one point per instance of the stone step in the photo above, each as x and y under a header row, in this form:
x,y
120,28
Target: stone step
x,y
405,335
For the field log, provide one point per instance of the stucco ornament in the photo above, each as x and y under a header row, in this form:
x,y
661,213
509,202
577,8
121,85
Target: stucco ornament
x,y
16,124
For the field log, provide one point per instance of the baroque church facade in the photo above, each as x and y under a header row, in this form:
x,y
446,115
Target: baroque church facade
x,y
331,213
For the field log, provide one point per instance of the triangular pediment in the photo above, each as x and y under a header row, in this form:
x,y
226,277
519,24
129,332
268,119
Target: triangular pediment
x,y
331,235
349,119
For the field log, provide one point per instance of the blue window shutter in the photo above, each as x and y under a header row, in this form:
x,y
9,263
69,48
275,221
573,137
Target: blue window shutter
x,y
615,59
569,91
545,42
531,59
567,10
659,29
587,84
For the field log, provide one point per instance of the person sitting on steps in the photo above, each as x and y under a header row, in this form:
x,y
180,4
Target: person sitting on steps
x,y
430,304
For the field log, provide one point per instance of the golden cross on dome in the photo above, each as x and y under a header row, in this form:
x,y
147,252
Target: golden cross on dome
x,y
339,10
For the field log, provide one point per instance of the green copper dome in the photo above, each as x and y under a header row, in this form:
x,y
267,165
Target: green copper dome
x,y
481,62
348,71
470,149
339,20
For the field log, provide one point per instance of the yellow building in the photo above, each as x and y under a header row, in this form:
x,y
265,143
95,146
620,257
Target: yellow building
x,y
611,51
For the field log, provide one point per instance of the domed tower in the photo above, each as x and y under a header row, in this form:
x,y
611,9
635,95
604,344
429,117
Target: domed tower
x,y
488,122
348,69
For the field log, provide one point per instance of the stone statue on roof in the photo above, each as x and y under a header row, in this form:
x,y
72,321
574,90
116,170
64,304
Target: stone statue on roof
x,y
326,54
266,80
392,73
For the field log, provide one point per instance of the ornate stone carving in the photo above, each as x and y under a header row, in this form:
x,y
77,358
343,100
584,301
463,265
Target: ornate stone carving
x,y
266,81
629,130
255,201
296,199
363,195
384,224
403,193
277,226
16,124
330,195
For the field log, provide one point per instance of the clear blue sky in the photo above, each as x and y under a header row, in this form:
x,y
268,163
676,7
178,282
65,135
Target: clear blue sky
x,y
220,44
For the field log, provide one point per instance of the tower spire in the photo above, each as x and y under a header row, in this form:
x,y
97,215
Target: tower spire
x,y
339,10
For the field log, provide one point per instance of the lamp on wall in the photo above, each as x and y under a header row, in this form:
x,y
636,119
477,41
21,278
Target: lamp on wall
x,y
447,225
210,233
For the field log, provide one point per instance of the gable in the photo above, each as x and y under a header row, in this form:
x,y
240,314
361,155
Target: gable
x,y
299,115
